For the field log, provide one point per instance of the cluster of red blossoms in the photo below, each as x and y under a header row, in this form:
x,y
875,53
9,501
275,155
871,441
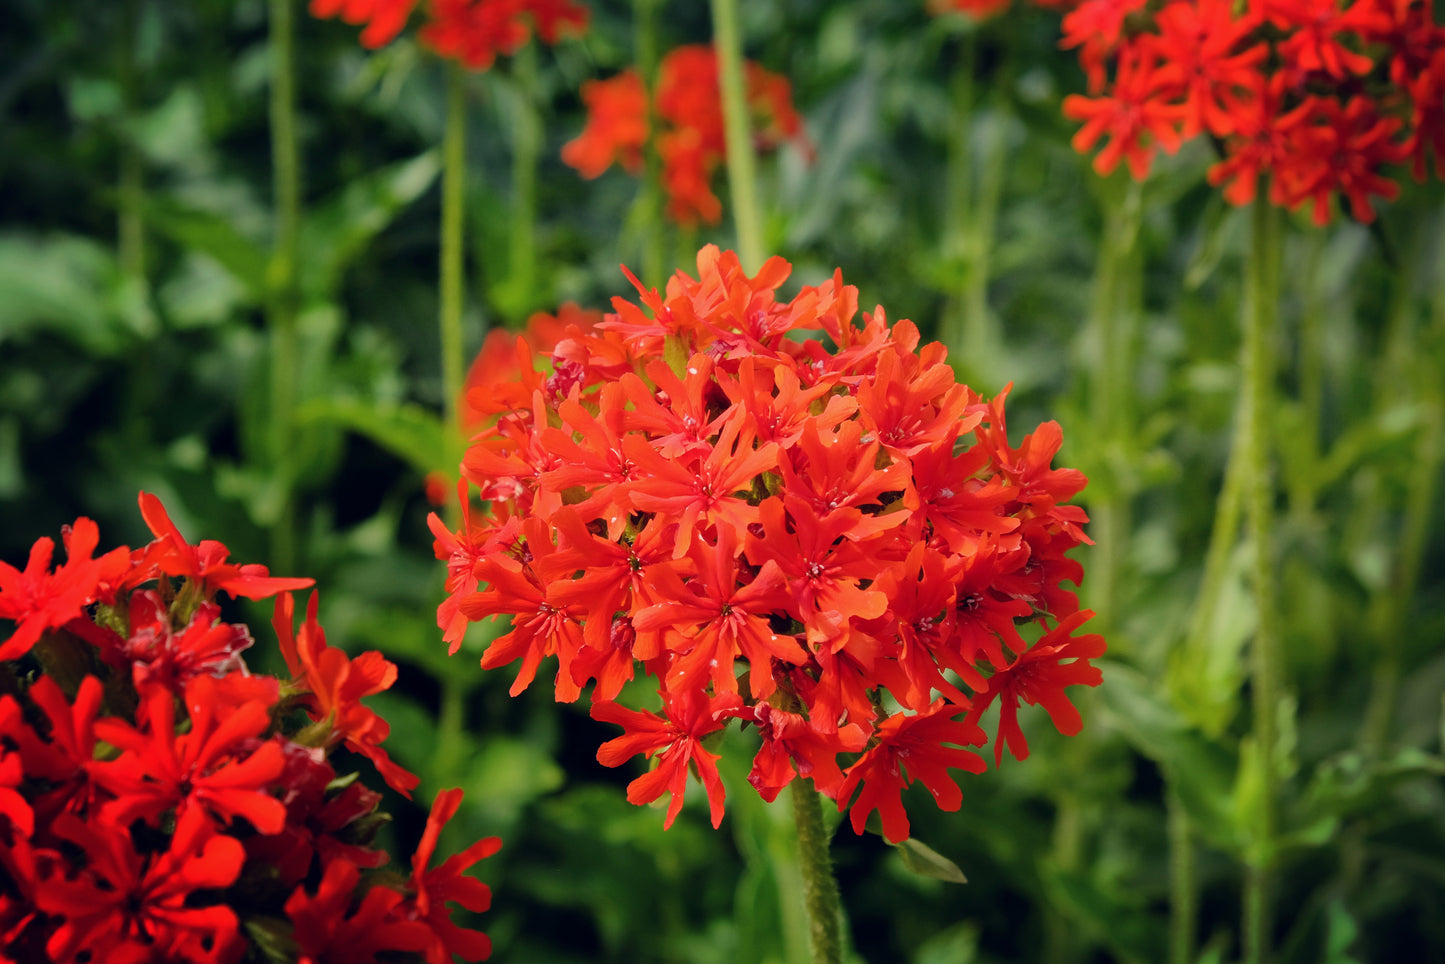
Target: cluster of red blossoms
x,y
692,142
158,802
1318,95
787,519
473,32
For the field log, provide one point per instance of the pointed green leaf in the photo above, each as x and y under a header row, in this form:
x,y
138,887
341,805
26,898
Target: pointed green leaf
x,y
924,861
338,229
214,236
409,432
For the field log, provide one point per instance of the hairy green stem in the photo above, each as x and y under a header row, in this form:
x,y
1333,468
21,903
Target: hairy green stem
x,y
284,300
742,164
820,888
1266,687
450,293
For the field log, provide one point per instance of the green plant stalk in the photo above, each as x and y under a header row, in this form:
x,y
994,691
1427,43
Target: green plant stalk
x,y
820,888
449,292
284,300
130,187
971,330
1111,309
1260,314
654,240
450,295
1389,606
526,152
1183,887
1311,379
742,164
961,327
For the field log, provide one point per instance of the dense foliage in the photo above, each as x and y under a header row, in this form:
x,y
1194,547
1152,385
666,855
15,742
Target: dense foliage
x,y
150,294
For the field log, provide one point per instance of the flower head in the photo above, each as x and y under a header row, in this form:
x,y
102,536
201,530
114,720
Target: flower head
x,y
787,519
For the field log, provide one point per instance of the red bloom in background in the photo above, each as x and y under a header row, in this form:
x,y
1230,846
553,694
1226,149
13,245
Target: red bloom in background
x,y
1134,116
384,19
474,32
692,141
1308,93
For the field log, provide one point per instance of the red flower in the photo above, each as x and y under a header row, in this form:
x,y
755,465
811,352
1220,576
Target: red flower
x,y
217,766
334,685
911,748
384,19
125,906
330,930
692,142
205,563
1038,676
674,742
1133,115
434,889
38,599
719,484
617,127
475,32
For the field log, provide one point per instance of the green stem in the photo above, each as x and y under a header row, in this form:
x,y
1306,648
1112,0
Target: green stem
x,y
130,189
820,888
960,326
1261,305
1183,888
742,165
1061,943
654,240
526,151
1116,281
450,294
284,300
1311,379
1390,605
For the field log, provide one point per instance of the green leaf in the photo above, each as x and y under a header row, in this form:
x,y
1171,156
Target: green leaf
x,y
927,862
334,233
1132,933
409,432
1341,934
212,235
1199,770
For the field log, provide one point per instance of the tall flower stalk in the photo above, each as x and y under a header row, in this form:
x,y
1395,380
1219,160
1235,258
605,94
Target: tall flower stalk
x,y
741,160
283,302
1266,683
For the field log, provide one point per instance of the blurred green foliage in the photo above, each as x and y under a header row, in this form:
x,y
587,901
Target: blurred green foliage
x,y
135,193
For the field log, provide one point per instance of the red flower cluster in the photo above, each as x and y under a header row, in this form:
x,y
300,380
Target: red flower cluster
x,y
787,519
692,142
1319,95
473,32
155,805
